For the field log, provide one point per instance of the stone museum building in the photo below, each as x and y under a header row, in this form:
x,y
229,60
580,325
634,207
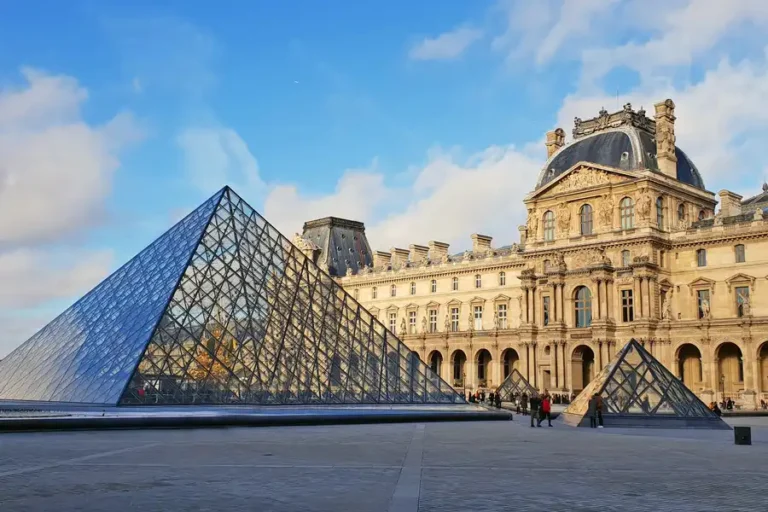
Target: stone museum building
x,y
622,241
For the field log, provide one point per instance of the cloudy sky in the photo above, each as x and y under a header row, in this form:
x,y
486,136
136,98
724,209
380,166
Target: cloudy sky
x,y
423,119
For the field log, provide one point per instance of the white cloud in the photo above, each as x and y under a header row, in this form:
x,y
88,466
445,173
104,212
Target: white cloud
x,y
680,34
445,46
55,169
29,278
216,156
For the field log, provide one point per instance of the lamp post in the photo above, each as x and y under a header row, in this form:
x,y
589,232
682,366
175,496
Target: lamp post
x,y
464,382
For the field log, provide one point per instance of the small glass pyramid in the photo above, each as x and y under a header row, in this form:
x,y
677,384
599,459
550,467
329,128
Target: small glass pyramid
x,y
221,309
515,385
637,390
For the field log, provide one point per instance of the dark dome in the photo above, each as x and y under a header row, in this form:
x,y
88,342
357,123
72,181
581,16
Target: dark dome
x,y
625,148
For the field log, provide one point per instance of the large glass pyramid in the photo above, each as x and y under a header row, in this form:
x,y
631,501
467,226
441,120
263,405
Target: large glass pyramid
x,y
221,309
638,391
514,386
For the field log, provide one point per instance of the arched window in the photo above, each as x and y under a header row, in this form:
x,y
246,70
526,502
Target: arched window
x,y
660,212
413,288
455,284
702,215
625,261
585,217
393,291
478,281
547,264
681,212
583,307
433,286
549,226
502,278
627,213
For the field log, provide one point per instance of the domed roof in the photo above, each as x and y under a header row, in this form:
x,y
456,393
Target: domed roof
x,y
626,142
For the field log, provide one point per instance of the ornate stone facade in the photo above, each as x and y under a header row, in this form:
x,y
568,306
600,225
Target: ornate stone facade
x,y
636,253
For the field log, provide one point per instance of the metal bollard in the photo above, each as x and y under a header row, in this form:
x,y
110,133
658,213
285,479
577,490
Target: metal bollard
x,y
742,435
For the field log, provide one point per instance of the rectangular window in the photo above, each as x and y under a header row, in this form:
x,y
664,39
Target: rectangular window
x,y
627,306
742,298
413,288
625,258
478,281
701,257
455,284
502,278
702,301
478,318
357,294
455,319
412,322
501,313
545,310
432,320
393,322
741,257
433,286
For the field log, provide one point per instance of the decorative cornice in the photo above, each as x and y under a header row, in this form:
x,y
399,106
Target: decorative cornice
x,y
604,121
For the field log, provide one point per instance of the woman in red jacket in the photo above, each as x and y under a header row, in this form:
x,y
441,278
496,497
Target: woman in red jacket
x,y
546,409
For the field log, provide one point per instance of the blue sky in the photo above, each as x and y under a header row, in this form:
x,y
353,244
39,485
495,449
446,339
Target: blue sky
x,y
423,119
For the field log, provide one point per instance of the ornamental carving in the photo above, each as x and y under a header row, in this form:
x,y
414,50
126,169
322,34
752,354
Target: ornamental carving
x,y
582,178
644,205
605,211
587,257
532,223
304,245
563,218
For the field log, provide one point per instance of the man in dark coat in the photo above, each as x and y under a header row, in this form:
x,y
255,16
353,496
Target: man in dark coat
x,y
535,402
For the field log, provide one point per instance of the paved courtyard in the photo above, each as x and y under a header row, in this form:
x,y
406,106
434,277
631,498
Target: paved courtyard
x,y
476,466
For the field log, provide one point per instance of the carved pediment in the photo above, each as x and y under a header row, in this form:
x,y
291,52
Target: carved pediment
x,y
701,282
665,283
454,302
740,280
374,311
432,304
581,177
392,309
477,301
501,298
411,306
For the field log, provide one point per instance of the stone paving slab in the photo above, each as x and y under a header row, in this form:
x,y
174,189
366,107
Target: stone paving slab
x,y
474,466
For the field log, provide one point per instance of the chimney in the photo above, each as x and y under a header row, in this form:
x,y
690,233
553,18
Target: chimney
x,y
665,138
555,140
481,243
399,257
437,250
730,203
381,259
418,253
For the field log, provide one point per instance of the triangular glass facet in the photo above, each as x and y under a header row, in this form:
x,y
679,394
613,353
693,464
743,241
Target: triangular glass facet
x,y
637,390
88,353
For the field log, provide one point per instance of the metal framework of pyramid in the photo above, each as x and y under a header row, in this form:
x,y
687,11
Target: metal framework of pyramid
x,y
515,385
221,309
638,391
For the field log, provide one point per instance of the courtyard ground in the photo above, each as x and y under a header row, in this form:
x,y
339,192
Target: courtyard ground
x,y
474,466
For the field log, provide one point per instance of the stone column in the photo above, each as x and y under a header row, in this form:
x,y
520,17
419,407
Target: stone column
x,y
446,370
553,358
609,299
535,366
637,292
567,384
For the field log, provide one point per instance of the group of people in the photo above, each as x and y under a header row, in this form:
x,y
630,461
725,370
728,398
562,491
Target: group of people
x,y
494,399
541,408
715,409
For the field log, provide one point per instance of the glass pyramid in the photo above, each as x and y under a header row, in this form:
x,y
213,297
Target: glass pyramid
x,y
637,390
221,309
515,385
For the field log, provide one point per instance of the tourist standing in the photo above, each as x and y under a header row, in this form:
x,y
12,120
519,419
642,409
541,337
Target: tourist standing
x,y
546,410
524,403
600,411
535,402
592,411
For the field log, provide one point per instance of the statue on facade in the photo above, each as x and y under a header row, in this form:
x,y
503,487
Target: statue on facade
x,y
559,262
644,206
746,307
402,327
471,326
705,308
447,323
424,324
665,139
495,320
666,306
532,224
564,218
520,307
605,211
349,271
603,257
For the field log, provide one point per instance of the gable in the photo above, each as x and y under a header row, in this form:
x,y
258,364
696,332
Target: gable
x,y
581,176
740,279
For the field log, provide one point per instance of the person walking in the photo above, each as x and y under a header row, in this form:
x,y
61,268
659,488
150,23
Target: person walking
x,y
535,402
600,411
524,403
592,411
546,410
